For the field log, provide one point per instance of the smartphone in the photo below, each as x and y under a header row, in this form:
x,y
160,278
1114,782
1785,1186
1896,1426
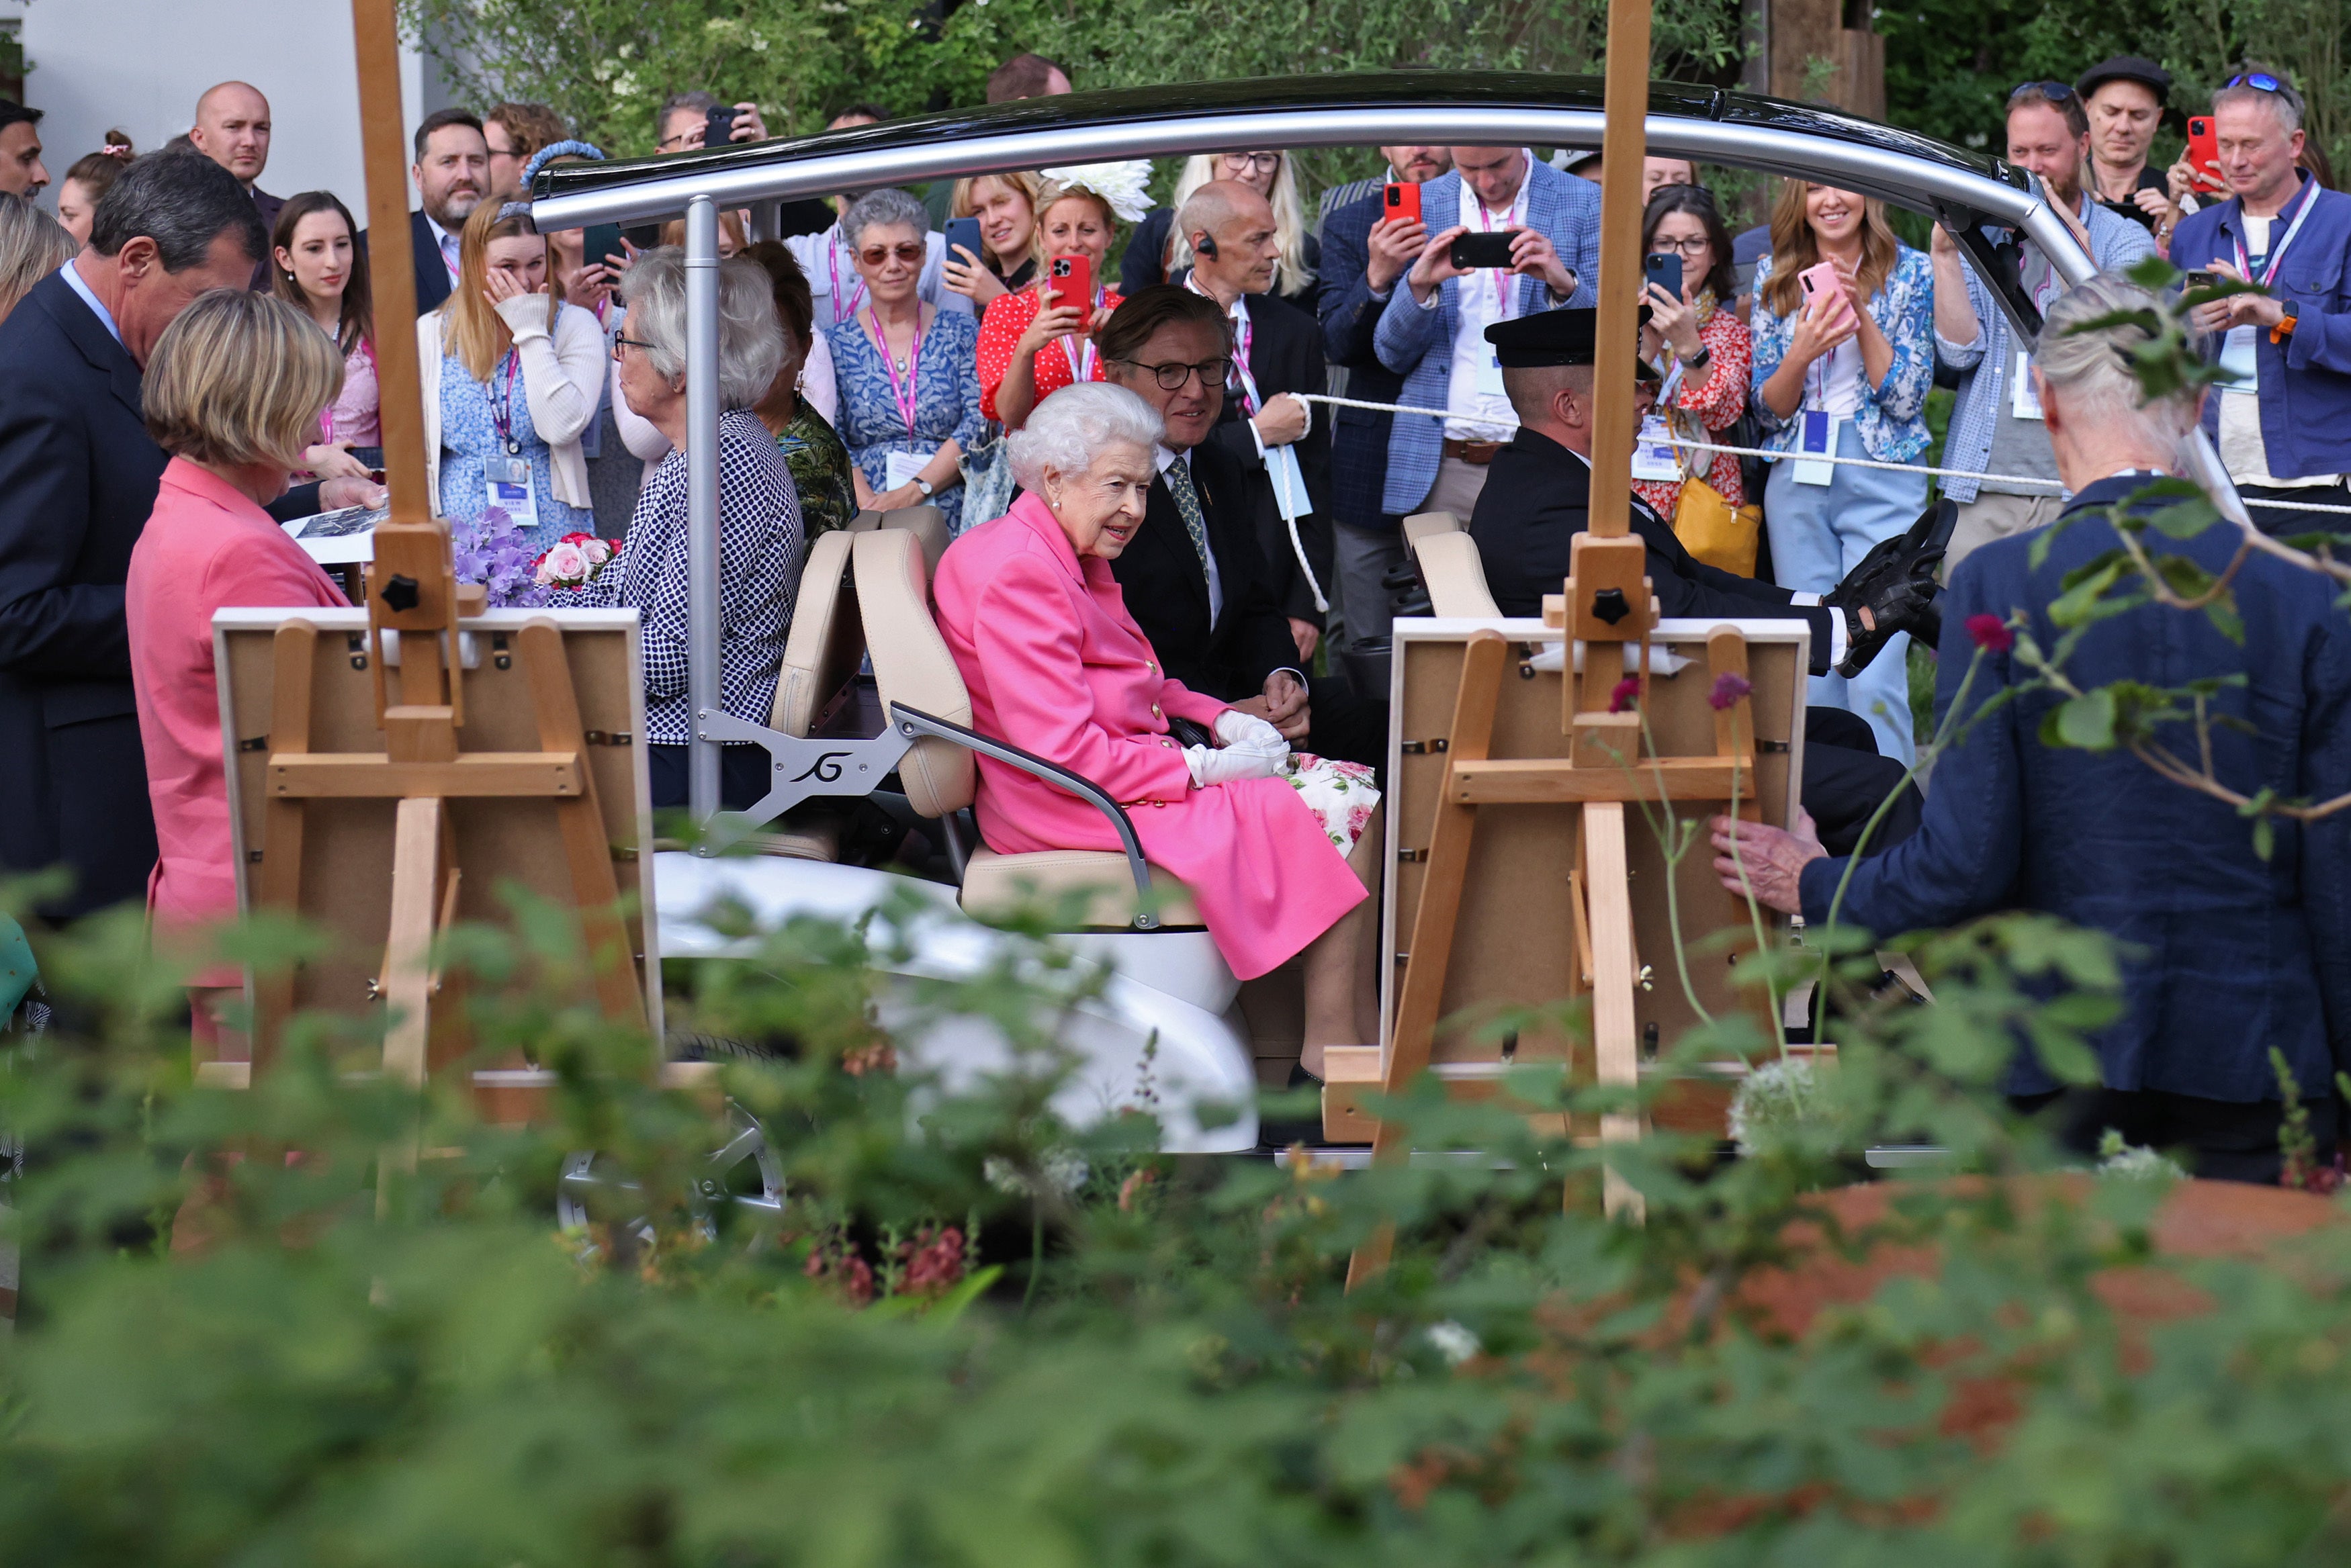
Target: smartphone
x,y
1403,201
964,232
1073,282
718,129
601,241
2203,147
1482,250
1666,272
1821,282
2200,279
2130,209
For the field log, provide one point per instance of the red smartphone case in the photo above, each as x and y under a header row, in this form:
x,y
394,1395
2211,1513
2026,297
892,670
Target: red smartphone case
x,y
1404,202
1073,281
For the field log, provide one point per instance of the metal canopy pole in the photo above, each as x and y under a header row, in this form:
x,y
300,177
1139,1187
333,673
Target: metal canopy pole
x,y
702,637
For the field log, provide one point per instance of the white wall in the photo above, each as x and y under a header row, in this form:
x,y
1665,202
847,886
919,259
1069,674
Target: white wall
x,y
141,64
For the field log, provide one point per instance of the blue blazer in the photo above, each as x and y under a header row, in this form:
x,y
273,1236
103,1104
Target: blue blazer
x,y
1351,319
2223,955
1416,343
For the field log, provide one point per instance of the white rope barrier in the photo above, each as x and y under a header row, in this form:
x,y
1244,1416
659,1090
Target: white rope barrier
x,y
2045,486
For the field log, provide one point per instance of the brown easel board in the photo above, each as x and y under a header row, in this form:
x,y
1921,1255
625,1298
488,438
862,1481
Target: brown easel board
x,y
513,840
1515,944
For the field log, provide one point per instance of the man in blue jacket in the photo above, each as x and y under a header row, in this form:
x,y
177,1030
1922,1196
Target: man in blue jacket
x,y
2283,425
2224,953
1432,326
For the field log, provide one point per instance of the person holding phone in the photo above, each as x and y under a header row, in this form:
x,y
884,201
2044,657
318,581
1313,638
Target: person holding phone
x,y
997,255
908,371
2283,423
1844,356
1041,339
1695,338
317,269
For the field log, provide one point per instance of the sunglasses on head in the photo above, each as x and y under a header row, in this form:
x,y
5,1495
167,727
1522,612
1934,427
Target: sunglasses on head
x,y
874,256
2260,81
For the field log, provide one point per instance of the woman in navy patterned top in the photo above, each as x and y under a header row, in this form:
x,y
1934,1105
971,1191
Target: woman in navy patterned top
x,y
908,371
760,535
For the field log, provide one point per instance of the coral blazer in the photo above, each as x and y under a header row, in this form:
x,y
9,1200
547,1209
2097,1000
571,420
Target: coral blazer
x,y
206,546
1057,666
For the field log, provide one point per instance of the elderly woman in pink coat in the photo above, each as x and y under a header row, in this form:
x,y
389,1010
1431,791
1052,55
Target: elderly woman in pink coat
x,y
1279,851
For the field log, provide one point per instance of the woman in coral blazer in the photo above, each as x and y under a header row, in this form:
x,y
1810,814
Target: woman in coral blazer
x,y
234,391
1278,850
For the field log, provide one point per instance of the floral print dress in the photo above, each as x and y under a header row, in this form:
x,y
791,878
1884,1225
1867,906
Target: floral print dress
x,y
1340,795
947,400
490,547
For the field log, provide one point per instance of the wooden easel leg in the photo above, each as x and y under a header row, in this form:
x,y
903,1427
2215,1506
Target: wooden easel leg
x,y
619,984
1616,1032
408,947
1423,992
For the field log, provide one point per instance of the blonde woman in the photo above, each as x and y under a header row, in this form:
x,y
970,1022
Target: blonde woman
x,y
1159,253
31,245
1027,351
233,392
1006,207
512,375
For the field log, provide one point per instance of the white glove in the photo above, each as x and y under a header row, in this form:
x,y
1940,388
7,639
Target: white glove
x,y
1230,764
1242,731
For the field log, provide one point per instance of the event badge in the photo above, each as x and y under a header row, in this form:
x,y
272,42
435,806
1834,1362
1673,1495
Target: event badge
x,y
1289,482
511,490
1654,457
900,468
2024,402
1490,372
1817,438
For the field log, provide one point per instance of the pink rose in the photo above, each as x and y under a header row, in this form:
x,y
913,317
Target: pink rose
x,y
597,551
563,564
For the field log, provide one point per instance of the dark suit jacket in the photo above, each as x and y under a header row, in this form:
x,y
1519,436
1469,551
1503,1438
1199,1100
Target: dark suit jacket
x,y
1359,442
2223,953
268,206
1160,577
1285,356
432,272
78,479
1538,498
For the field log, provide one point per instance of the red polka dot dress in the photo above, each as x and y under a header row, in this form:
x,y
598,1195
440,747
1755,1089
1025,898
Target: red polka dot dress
x,y
1008,315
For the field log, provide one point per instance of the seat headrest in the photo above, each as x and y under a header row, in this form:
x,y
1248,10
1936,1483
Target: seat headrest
x,y
912,664
927,523
827,641
1450,565
1423,525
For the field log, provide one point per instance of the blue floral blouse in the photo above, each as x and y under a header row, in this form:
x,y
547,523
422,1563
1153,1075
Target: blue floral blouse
x,y
1891,419
947,400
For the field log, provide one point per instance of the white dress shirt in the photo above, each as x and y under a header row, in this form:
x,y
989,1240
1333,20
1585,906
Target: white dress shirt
x,y
1484,297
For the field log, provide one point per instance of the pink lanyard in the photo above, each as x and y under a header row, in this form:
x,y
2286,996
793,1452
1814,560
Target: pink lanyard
x,y
1244,332
2277,252
1501,275
1081,361
502,407
906,394
832,265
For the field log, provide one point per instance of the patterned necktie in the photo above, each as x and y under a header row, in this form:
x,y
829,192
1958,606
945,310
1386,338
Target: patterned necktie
x,y
1187,502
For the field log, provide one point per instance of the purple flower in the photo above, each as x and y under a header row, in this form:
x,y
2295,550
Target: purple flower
x,y
1626,693
1992,634
1728,688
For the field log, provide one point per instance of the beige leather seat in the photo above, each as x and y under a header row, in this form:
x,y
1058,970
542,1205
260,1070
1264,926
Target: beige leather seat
x,y
927,523
1422,525
1450,565
912,665
821,655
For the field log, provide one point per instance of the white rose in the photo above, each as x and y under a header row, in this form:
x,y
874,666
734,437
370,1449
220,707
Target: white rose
x,y
597,551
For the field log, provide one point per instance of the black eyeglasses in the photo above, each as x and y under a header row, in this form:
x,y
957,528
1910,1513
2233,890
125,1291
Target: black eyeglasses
x,y
2056,91
619,342
1172,377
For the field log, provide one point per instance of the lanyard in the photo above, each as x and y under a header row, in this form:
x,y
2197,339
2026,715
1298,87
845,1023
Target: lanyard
x,y
502,406
1513,221
832,265
2277,251
1244,333
1081,360
906,394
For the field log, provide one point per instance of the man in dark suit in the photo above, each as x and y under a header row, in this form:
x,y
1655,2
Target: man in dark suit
x,y
453,176
1363,253
1276,350
1538,498
1196,579
2230,948
231,129
77,478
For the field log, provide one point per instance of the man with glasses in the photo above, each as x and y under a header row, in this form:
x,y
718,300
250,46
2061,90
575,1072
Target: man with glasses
x,y
2283,423
1996,425
514,132
1196,579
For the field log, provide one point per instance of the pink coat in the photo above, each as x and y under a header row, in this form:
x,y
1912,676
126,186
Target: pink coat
x,y
1056,666
206,546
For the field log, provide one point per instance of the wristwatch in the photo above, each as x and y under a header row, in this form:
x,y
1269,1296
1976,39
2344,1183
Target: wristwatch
x,y
926,486
2284,328
1698,358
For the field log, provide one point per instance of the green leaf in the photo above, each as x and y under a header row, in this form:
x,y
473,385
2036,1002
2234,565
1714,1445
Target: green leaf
x,y
2086,722
2085,588
2264,838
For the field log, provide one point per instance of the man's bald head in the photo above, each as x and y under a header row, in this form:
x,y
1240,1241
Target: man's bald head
x,y
1219,203
231,129
1243,243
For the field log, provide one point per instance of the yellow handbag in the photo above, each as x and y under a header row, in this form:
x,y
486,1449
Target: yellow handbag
x,y
1716,531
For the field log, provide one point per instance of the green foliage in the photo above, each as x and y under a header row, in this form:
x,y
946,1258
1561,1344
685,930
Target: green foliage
x,y
352,1359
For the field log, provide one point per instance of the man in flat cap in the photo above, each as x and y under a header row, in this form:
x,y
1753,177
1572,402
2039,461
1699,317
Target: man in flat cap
x,y
1538,497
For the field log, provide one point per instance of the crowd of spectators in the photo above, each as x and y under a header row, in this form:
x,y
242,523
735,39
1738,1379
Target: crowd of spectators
x,y
884,349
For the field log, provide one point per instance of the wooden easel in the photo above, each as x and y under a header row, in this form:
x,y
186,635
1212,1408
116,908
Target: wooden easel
x,y
1607,605
413,603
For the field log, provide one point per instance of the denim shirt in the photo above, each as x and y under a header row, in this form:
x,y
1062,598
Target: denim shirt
x,y
2305,381
1891,419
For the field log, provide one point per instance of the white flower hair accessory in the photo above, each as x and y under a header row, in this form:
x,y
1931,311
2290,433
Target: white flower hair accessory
x,y
1126,186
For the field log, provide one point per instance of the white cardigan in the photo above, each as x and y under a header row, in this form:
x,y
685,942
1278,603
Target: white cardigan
x,y
562,375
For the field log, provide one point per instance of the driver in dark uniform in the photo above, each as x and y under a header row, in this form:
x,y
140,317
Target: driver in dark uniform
x,y
1537,496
